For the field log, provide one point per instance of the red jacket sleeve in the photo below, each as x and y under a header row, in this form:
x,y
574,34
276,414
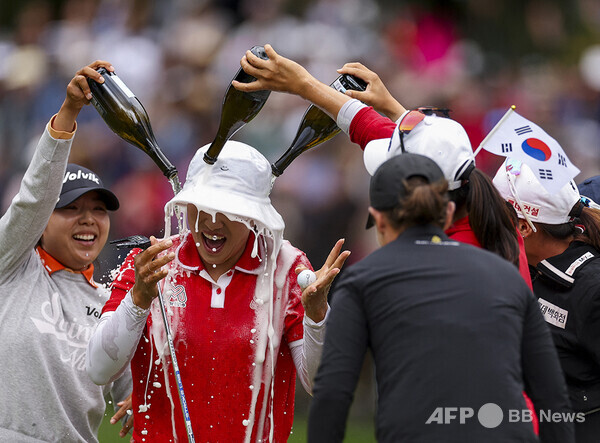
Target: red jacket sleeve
x,y
294,314
368,125
122,283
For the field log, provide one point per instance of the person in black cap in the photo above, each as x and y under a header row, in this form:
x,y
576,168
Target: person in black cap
x,y
455,333
50,235
78,227
590,190
562,238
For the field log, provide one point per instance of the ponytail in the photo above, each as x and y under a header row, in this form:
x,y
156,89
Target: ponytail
x,y
590,219
424,203
584,228
490,218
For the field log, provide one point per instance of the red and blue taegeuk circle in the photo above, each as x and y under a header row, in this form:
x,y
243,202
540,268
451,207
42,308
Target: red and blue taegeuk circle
x,y
537,149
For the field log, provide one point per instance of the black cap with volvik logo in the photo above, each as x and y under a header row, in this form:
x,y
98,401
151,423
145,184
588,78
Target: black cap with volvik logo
x,y
387,184
79,180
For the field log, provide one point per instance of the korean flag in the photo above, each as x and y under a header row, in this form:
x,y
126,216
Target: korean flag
x,y
517,137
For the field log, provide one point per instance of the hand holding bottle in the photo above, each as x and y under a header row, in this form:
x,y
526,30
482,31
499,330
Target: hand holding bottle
x,y
284,75
276,74
376,94
78,95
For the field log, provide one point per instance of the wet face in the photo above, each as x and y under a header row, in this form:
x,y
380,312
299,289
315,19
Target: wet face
x,y
220,243
76,234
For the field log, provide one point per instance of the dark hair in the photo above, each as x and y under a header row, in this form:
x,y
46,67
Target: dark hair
x,y
561,232
589,219
424,203
491,220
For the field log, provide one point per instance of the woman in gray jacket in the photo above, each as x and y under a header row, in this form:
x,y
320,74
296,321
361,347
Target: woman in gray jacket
x,y
53,230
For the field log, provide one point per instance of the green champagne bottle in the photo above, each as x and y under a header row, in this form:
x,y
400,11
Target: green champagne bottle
x,y
238,109
125,116
316,126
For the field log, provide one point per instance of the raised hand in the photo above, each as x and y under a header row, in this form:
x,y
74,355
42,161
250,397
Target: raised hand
x,y
276,74
285,75
149,271
78,95
376,94
314,296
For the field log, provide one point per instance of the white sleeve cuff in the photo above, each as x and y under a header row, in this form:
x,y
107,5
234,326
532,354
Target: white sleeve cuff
x,y
132,309
310,323
347,112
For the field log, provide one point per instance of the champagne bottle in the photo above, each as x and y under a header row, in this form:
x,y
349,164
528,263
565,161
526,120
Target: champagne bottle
x,y
125,116
238,109
316,126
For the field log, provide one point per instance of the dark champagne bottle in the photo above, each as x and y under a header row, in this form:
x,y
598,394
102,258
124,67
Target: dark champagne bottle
x,y
316,126
238,109
125,115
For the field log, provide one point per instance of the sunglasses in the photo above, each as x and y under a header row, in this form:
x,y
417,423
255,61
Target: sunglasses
x,y
416,116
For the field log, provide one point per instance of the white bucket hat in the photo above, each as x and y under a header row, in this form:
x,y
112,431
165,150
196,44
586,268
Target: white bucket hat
x,y
441,139
238,184
518,185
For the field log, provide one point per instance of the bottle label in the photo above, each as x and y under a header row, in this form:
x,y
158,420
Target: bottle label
x,y
338,86
98,106
122,86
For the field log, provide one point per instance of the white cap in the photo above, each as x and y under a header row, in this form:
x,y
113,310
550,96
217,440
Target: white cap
x,y
238,184
518,185
441,139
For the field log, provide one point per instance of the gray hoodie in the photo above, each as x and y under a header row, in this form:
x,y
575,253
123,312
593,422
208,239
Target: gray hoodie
x,y
46,321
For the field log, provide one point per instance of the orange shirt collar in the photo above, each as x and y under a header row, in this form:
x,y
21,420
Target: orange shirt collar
x,y
52,265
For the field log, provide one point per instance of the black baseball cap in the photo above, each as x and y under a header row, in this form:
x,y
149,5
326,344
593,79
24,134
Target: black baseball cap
x,y
590,188
79,180
387,187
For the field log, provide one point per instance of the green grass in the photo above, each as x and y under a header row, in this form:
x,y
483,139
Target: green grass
x,y
110,433
358,431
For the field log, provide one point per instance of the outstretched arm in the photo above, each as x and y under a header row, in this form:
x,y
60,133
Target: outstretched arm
x,y
314,299
285,75
118,333
26,218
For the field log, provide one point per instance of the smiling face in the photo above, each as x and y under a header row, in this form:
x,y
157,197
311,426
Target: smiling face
x,y
221,243
76,233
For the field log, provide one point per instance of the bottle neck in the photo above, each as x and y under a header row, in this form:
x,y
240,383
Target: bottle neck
x,y
210,156
159,158
307,137
300,144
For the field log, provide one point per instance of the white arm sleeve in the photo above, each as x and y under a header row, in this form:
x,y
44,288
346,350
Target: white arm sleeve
x,y
306,353
114,341
347,113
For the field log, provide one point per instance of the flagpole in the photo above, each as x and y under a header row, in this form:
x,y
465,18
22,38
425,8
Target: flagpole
x,y
494,129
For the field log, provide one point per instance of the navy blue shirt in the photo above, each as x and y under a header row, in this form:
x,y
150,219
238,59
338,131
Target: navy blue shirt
x,y
568,289
449,326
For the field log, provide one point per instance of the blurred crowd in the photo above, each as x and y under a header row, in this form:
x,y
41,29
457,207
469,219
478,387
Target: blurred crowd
x,y
476,57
